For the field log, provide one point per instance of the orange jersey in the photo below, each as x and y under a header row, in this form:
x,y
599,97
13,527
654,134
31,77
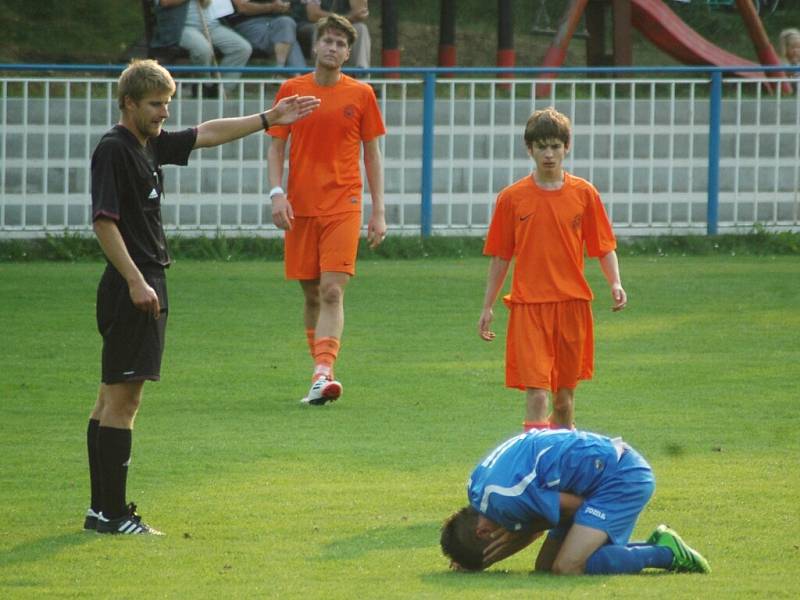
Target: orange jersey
x,y
325,147
545,232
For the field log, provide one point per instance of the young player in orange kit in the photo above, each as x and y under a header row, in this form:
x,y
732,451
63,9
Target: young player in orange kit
x,y
544,222
321,211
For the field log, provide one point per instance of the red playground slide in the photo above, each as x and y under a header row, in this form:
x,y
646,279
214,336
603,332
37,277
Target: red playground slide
x,y
668,32
672,35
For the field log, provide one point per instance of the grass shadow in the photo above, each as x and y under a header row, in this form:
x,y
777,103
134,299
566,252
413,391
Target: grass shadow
x,y
38,549
382,538
497,579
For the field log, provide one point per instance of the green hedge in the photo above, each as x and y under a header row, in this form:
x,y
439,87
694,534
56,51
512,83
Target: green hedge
x,y
73,248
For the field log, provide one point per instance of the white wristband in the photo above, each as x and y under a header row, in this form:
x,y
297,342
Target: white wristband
x,y
276,190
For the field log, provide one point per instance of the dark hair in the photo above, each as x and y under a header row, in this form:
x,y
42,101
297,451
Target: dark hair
x,y
340,24
460,542
547,124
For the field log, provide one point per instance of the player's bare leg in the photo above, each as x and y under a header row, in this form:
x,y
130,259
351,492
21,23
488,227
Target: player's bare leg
x,y
580,543
311,302
331,304
564,408
116,408
99,404
325,298
547,554
118,403
536,401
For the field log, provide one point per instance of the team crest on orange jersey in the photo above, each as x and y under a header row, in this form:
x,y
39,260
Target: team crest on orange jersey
x,y
576,222
350,111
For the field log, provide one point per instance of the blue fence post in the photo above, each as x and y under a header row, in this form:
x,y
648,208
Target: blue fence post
x,y
715,110
428,109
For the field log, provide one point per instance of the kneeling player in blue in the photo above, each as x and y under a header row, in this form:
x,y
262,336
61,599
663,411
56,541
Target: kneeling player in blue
x,y
586,489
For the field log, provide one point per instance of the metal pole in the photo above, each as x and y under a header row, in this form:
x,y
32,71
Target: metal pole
x,y
505,35
428,108
715,109
390,53
447,33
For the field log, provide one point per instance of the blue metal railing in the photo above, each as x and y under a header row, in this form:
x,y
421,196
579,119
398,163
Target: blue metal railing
x,y
429,80
715,112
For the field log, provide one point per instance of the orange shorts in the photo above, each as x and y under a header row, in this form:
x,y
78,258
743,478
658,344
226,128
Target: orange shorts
x,y
549,345
319,244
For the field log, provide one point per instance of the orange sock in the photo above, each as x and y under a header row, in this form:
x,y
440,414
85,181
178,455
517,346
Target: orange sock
x,y
528,425
310,341
325,352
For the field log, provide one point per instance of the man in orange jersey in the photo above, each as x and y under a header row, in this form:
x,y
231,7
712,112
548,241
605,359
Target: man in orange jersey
x,y
321,213
545,221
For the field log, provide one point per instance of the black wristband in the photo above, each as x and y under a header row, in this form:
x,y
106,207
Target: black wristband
x,y
264,121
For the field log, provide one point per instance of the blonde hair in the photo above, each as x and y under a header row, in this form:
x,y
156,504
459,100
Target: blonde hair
x,y
786,38
143,77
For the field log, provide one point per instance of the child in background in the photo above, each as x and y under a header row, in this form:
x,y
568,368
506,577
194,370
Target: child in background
x,y
789,43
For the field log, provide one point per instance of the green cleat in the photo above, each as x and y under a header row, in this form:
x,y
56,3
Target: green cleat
x,y
686,559
653,539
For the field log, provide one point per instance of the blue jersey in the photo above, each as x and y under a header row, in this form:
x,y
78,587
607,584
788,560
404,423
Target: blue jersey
x,y
520,480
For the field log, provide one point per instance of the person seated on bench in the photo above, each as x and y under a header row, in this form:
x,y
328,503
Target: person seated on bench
x,y
191,24
266,24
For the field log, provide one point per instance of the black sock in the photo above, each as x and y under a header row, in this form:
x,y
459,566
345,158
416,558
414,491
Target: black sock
x,y
95,476
115,453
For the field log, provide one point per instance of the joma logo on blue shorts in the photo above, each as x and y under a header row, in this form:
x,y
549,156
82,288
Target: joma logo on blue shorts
x,y
595,513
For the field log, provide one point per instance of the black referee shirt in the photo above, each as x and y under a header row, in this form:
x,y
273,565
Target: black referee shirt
x,y
127,187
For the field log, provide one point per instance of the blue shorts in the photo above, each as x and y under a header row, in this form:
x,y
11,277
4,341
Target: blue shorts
x,y
616,504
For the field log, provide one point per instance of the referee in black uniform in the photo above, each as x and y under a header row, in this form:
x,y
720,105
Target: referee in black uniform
x,y
132,305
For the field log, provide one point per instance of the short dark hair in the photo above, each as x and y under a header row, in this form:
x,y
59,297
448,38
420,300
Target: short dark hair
x,y
547,124
337,23
460,541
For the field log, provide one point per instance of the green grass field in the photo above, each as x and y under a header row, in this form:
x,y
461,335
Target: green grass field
x,y
263,498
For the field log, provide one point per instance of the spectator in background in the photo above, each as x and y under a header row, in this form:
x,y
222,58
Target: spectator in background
x,y
789,43
269,28
190,24
308,12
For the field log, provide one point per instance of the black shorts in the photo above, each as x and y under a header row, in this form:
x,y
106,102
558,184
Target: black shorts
x,y
133,341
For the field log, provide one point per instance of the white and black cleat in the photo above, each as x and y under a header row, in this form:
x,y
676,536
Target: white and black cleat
x,y
130,524
90,521
322,391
